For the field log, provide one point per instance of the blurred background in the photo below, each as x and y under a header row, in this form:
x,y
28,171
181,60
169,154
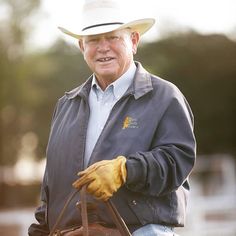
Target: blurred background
x,y
192,45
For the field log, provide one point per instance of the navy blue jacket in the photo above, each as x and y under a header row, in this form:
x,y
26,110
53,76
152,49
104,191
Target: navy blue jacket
x,y
151,125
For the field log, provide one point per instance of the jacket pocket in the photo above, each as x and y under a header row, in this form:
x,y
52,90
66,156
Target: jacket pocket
x,y
142,210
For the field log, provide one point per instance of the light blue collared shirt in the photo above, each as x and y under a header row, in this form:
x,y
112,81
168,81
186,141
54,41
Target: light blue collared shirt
x,y
101,103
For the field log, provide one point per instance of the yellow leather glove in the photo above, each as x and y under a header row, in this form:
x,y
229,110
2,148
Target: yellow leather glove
x,y
103,178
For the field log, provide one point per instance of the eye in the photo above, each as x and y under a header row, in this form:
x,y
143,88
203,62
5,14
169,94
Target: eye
x,y
113,38
91,40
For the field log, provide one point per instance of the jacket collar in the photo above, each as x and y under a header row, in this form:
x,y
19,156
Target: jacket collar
x,y
142,84
82,91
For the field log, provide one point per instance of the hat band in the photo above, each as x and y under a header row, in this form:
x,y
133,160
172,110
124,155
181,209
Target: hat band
x,y
92,26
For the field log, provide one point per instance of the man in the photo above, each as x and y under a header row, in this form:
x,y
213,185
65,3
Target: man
x,y
128,133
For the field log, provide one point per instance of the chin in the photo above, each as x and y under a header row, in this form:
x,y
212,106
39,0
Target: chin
x,y
106,74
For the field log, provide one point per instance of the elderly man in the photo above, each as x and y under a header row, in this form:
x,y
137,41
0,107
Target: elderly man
x,y
128,133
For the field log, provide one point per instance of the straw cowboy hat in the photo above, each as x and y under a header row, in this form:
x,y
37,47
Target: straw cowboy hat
x,y
102,16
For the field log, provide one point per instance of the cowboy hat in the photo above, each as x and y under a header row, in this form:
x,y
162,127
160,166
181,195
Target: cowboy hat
x,y
103,16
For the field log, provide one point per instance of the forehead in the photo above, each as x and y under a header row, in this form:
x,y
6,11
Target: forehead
x,y
121,32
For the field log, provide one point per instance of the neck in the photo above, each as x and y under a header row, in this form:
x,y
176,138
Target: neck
x,y
104,82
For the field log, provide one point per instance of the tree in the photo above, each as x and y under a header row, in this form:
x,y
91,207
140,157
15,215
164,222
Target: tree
x,y
14,28
203,67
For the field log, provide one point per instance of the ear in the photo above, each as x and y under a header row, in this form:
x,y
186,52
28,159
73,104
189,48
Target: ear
x,y
135,36
81,45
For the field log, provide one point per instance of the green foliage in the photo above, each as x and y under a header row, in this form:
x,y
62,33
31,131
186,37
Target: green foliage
x,y
204,68
48,76
14,28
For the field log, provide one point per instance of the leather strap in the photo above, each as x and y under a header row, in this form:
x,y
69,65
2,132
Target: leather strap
x,y
84,213
59,218
119,222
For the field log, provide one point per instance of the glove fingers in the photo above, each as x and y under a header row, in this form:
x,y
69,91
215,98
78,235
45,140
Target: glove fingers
x,y
103,178
82,181
86,171
103,196
95,166
94,187
99,191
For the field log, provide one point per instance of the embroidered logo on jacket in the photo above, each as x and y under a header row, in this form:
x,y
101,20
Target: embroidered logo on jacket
x,y
130,122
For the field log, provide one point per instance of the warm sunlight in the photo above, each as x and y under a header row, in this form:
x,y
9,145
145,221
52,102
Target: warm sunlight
x,y
205,16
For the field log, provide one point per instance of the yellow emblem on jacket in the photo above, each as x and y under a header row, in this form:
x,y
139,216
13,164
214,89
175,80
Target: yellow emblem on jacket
x,y
130,122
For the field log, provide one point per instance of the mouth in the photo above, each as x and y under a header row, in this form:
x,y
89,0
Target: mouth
x,y
105,59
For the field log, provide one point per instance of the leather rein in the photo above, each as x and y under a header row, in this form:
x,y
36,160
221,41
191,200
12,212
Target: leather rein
x,y
119,222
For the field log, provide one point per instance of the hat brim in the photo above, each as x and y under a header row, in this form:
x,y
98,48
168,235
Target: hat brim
x,y
141,26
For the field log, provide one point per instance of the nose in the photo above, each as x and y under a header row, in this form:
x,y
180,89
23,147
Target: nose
x,y
103,45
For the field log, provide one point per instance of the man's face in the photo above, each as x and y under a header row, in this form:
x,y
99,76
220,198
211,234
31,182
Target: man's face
x,y
109,55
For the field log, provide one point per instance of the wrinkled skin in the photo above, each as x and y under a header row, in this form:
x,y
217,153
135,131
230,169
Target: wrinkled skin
x,y
109,55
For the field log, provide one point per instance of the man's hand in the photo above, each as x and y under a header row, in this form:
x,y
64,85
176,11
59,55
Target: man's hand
x,y
103,178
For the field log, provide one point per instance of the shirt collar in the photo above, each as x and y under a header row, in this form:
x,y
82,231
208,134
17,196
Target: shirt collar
x,y
121,84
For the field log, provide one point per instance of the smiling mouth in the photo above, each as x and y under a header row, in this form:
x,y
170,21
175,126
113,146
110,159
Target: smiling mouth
x,y
105,59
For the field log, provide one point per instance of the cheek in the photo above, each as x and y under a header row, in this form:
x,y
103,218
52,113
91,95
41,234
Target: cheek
x,y
123,50
127,49
88,55
127,53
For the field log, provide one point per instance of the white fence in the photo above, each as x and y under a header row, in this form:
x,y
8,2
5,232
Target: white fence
x,y
20,219
212,208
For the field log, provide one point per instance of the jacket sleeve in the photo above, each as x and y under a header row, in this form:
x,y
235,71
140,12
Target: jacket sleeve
x,y
41,227
172,154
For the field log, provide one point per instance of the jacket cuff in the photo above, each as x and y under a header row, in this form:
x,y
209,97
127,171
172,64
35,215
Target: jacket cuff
x,y
134,172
